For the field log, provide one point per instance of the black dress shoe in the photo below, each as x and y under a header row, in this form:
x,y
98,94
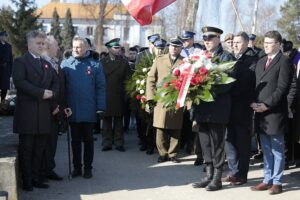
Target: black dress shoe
x,y
120,148
142,148
106,148
76,173
27,187
54,176
87,173
39,184
149,151
174,159
162,159
198,162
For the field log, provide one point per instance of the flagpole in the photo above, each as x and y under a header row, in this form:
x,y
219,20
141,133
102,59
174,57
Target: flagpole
x,y
253,30
237,14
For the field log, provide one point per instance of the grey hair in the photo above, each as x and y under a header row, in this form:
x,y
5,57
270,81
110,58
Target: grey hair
x,y
243,35
78,38
35,34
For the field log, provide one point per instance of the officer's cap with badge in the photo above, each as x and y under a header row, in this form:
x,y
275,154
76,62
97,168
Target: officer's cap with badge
x,y
3,33
187,35
153,38
176,42
252,36
114,43
160,43
210,32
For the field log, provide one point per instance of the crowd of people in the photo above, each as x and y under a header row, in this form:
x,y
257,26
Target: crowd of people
x,y
87,87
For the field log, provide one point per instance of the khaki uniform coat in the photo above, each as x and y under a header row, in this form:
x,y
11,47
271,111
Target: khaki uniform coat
x,y
162,118
116,72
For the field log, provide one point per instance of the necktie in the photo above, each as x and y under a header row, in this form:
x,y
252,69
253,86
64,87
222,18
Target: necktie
x,y
268,63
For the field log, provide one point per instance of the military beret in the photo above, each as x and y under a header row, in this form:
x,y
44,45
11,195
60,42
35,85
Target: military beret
x,y
187,35
252,36
153,38
113,43
160,43
176,42
3,33
209,30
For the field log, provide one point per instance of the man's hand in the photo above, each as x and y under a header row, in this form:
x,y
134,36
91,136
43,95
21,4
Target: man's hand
x,y
259,107
68,112
55,111
48,94
100,113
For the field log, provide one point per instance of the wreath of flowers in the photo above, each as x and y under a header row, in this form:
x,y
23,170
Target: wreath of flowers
x,y
136,85
193,80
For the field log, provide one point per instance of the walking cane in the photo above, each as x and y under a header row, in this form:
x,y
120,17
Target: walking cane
x,y
69,149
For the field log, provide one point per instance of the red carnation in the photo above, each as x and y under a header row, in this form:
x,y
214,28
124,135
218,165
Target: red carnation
x,y
176,72
208,55
166,84
195,57
203,71
138,97
143,99
178,85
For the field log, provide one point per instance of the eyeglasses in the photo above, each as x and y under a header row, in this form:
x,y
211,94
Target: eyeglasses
x,y
208,37
116,47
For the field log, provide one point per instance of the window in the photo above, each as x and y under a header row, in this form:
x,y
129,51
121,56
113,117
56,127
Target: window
x,y
89,30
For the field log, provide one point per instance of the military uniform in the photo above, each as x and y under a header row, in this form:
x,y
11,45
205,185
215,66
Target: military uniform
x,y
167,122
116,71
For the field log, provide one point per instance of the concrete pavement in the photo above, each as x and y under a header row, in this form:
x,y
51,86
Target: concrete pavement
x,y
133,175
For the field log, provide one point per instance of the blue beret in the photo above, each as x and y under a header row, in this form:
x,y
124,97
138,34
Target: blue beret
x,y
153,38
160,43
187,35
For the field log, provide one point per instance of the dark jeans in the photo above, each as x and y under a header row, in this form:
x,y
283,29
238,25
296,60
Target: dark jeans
x,y
31,148
238,150
82,132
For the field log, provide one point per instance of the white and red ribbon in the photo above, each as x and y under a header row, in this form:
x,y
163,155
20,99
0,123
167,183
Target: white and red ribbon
x,y
187,74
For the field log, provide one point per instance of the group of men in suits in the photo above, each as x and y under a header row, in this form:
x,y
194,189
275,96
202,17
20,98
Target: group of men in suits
x,y
223,126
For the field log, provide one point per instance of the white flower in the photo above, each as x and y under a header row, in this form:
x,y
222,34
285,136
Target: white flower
x,y
142,91
142,82
144,69
137,81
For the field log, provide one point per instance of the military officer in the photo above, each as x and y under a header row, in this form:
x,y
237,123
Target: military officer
x,y
116,70
168,123
212,117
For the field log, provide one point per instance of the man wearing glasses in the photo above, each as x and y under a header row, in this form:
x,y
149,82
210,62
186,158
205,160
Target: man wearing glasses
x,y
116,70
273,78
212,117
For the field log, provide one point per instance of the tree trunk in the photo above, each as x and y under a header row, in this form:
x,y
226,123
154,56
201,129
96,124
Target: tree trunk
x,y
190,11
99,28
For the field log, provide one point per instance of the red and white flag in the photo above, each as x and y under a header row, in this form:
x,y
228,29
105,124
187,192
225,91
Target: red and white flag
x,y
143,10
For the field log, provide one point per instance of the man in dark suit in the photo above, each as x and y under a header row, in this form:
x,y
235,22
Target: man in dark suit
x,y
238,138
6,61
273,78
36,84
212,117
116,70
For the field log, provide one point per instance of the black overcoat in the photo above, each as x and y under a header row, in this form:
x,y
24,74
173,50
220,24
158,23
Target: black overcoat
x,y
31,78
116,72
243,89
272,87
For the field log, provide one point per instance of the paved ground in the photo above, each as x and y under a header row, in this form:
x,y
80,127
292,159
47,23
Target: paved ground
x,y
133,175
